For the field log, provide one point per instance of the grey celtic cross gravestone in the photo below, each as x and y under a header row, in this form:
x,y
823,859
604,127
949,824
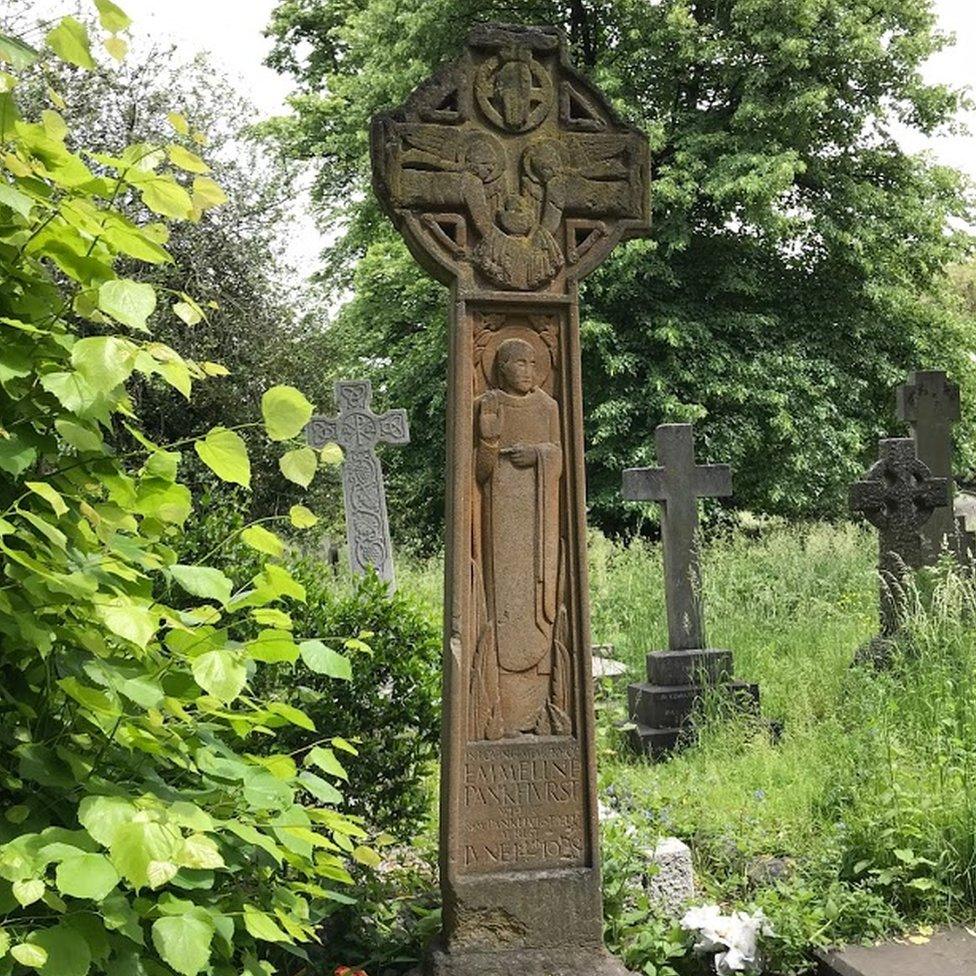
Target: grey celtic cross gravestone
x,y
662,707
898,495
677,485
357,430
930,404
510,178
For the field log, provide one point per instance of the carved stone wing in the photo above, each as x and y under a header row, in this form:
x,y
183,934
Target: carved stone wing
x,y
393,427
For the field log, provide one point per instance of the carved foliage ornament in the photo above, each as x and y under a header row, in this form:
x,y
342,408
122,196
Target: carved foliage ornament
x,y
508,170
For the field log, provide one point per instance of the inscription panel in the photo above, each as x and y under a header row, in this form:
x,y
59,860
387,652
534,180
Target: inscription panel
x,y
522,806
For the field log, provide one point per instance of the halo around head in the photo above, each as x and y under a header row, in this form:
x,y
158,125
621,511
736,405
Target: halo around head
x,y
543,358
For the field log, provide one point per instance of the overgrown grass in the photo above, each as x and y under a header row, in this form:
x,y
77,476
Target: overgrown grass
x,y
868,799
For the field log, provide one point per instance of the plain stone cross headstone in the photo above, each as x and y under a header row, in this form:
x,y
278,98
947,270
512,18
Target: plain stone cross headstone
x,y
677,485
898,495
511,178
930,404
357,430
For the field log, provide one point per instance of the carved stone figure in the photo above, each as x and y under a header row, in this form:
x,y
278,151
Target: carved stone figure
x,y
510,179
521,673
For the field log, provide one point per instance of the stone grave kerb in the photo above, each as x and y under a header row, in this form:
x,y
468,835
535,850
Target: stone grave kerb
x,y
510,178
930,404
358,430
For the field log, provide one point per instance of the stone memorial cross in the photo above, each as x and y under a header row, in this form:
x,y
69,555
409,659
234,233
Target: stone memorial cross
x,y
510,179
930,404
677,485
898,495
357,430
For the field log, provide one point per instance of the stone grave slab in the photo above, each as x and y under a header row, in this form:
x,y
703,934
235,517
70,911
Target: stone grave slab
x,y
510,178
951,952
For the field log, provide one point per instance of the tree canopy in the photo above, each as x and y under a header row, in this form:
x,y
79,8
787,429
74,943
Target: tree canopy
x,y
798,260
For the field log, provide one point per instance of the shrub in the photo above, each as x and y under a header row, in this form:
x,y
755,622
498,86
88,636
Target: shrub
x,y
391,704
142,830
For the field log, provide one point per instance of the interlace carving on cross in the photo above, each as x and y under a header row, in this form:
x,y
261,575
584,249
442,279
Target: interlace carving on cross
x,y
357,430
677,485
898,495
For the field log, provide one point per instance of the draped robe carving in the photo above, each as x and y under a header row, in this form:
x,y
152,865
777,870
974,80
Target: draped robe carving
x,y
520,678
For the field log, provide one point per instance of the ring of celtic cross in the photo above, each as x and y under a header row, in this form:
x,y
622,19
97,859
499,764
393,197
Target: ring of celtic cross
x,y
358,431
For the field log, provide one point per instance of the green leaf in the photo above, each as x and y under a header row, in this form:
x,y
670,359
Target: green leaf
x,y
143,691
189,312
69,41
324,660
183,943
301,517
86,876
203,581
163,195
322,790
50,494
116,47
261,926
185,159
19,202
15,52
220,673
28,954
111,17
179,123
326,760
72,390
129,302
273,647
285,411
68,953
16,456
82,438
224,452
27,892
102,816
105,361
132,621
259,538
299,465
367,856
293,715
139,846
207,193
331,455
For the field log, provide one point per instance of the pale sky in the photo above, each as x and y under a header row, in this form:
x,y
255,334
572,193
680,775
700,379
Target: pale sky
x,y
232,30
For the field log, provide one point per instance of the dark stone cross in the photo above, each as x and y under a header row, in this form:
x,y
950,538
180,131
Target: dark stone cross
x,y
677,485
930,404
357,430
898,495
511,178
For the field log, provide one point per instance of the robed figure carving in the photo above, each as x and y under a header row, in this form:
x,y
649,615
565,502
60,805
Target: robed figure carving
x,y
520,676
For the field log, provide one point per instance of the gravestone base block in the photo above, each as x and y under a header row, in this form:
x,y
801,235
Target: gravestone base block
x,y
525,962
693,667
658,743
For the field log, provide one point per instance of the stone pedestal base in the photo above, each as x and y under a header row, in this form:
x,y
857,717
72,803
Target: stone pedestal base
x,y
523,962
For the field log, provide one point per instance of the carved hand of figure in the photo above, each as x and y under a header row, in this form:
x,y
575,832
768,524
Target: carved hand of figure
x,y
490,419
521,455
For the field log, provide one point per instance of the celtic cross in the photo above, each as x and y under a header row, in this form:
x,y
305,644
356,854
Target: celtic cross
x,y
898,495
357,430
510,178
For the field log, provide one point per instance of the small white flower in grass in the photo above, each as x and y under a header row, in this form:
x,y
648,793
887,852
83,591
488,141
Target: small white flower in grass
x,y
605,812
732,938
